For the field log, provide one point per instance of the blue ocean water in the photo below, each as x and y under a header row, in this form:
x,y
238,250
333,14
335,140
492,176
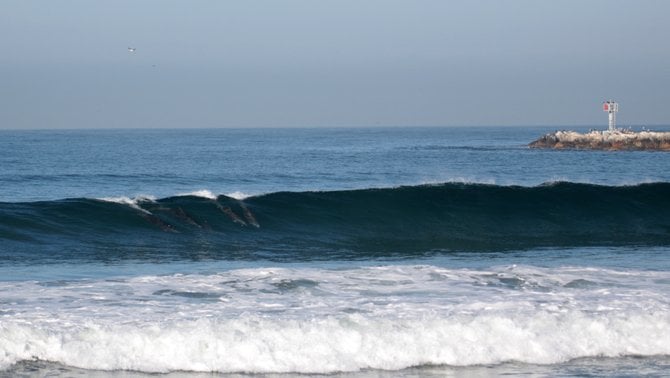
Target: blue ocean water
x,y
347,252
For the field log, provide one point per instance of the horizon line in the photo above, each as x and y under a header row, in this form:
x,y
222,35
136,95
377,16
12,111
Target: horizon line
x,y
562,127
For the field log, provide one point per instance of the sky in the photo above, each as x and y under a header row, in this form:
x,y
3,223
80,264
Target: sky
x,y
331,63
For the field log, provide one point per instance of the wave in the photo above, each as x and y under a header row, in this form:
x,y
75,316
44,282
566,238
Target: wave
x,y
273,320
348,343
354,223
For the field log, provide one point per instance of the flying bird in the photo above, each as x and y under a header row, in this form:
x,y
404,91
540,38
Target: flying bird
x,y
131,49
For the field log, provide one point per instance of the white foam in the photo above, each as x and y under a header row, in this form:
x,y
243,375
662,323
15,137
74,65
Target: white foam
x,y
328,320
466,180
204,193
132,202
239,195
345,343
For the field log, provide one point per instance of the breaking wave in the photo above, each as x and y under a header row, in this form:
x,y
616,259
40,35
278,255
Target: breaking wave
x,y
349,224
324,321
348,343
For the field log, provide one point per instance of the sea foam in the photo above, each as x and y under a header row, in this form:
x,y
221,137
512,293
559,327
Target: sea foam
x,y
204,193
310,320
351,342
132,202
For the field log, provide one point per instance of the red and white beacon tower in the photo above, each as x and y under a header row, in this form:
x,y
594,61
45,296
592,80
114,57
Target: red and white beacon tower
x,y
611,108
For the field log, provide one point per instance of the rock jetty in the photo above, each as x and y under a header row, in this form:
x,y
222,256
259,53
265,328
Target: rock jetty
x,y
605,140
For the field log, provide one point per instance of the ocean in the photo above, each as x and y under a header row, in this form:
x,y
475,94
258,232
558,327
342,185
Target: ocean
x,y
343,252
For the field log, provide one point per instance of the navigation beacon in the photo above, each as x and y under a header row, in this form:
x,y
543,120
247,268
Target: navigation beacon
x,y
611,108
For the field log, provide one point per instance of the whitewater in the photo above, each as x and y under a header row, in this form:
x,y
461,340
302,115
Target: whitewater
x,y
328,320
344,252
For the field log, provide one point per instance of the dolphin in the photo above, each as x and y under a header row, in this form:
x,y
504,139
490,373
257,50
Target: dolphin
x,y
228,211
249,216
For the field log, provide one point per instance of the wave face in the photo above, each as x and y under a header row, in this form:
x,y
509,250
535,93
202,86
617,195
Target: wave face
x,y
340,224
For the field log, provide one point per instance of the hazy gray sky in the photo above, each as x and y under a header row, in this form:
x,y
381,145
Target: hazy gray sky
x,y
248,63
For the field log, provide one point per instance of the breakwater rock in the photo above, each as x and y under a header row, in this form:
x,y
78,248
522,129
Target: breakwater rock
x,y
605,140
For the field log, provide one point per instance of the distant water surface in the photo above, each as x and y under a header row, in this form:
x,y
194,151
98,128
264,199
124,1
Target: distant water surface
x,y
51,165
